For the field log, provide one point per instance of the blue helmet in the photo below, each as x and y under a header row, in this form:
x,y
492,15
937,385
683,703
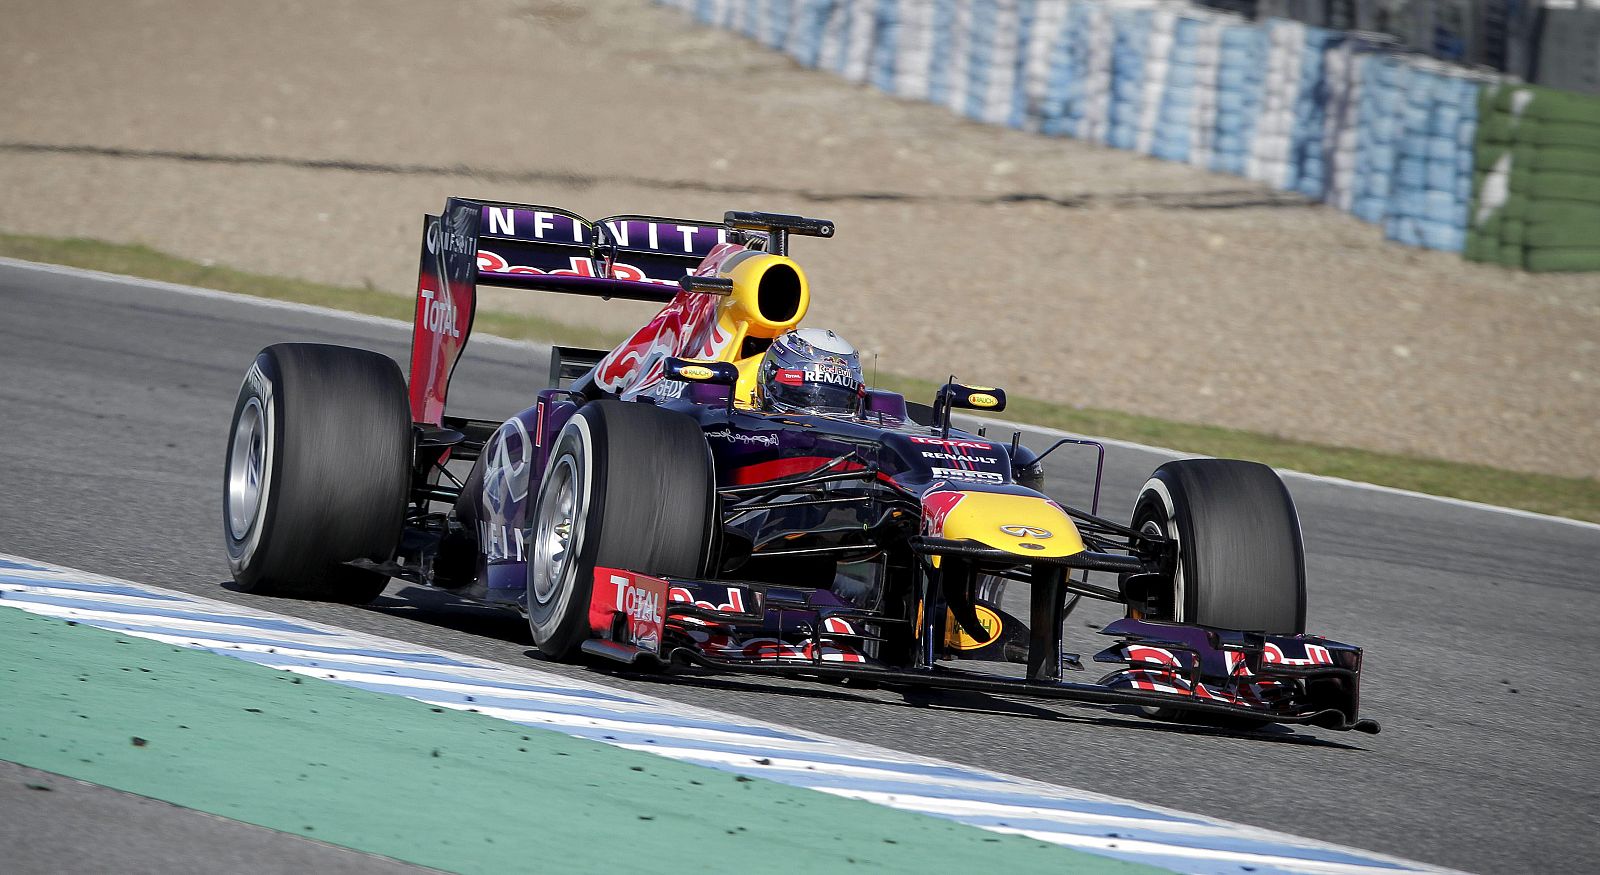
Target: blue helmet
x,y
811,370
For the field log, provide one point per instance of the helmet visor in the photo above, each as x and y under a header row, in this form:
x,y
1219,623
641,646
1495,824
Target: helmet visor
x,y
813,397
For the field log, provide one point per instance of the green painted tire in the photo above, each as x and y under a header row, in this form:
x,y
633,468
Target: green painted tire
x,y
1559,235
1567,159
1483,241
1503,97
1580,187
1574,134
1563,106
1521,178
1476,245
1486,99
1484,155
1562,212
1571,259
1496,129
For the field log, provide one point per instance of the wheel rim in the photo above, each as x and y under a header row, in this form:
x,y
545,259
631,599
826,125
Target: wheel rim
x,y
247,464
558,532
1164,527
1170,532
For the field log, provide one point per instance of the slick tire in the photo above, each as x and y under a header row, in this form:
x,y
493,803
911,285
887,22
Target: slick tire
x,y
628,486
317,473
1241,564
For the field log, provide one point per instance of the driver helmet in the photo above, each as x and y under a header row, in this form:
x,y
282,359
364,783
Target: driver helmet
x,y
811,370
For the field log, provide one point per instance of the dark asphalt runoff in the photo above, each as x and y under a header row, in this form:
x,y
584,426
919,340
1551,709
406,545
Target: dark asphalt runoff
x,y
115,400
52,824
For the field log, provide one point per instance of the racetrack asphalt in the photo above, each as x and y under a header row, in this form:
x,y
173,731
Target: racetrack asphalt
x,y
114,405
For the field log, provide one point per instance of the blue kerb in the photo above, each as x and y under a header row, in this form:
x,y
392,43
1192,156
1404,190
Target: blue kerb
x,y
656,740
83,586
1210,842
284,660
220,619
640,718
226,638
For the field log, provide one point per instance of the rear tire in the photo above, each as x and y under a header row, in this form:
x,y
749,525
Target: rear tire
x,y
1241,564
318,472
629,486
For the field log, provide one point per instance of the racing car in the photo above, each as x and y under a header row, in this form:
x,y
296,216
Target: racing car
x,y
721,492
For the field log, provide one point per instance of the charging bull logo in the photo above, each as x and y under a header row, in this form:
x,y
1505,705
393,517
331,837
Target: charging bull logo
x,y
686,328
936,508
578,265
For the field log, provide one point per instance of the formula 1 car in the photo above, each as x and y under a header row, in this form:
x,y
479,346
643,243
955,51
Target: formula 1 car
x,y
646,509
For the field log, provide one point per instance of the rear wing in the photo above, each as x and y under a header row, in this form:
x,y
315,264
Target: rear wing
x,y
521,246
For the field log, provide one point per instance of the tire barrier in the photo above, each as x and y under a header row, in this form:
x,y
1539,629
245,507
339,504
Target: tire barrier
x,y
1431,186
1536,198
1392,138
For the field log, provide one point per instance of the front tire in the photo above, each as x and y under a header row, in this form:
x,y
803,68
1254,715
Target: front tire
x,y
628,486
318,472
1240,560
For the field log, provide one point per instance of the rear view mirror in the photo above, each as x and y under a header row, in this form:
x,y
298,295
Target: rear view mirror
x,y
714,373
952,395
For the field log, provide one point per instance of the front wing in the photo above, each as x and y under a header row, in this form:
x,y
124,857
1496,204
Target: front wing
x,y
756,628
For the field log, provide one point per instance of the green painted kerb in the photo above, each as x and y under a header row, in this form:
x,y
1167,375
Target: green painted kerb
x,y
442,788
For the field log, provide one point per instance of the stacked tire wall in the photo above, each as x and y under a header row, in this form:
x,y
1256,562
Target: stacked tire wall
x,y
1392,138
1537,189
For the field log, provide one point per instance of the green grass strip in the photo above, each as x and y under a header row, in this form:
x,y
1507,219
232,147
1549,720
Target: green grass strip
x,y
437,787
1575,497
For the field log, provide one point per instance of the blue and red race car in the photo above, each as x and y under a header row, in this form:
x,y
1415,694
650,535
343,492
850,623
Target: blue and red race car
x,y
660,505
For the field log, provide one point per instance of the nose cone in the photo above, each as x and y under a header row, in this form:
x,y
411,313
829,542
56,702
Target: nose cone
x,y
1027,525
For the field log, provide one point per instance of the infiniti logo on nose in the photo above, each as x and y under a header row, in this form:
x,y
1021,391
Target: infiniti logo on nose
x,y
1026,532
